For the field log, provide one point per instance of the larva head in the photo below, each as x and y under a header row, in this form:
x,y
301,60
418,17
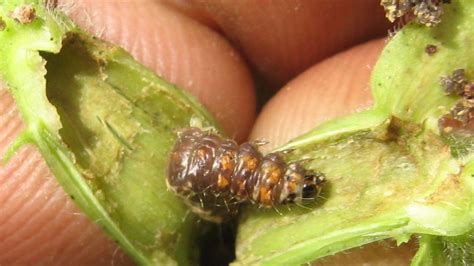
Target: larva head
x,y
312,185
301,184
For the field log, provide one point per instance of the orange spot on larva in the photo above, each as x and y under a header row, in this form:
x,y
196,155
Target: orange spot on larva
x,y
226,163
265,196
275,175
250,163
222,182
201,154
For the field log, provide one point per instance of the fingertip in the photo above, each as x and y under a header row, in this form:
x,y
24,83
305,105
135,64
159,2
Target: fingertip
x,y
283,38
194,11
337,86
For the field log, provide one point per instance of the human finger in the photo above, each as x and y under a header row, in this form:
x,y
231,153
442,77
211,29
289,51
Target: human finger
x,y
283,38
337,86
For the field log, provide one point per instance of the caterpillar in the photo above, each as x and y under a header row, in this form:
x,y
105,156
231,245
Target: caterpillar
x,y
215,176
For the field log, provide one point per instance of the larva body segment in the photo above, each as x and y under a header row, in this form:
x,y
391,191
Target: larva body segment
x,y
215,175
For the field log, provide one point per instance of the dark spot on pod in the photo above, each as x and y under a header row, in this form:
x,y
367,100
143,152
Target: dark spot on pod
x,y
3,25
214,175
431,49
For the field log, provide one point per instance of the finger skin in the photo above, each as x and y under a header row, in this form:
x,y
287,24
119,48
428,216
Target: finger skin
x,y
192,10
282,38
335,87
39,224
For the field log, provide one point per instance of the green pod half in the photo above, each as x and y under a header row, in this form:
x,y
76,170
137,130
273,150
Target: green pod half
x,y
105,126
390,172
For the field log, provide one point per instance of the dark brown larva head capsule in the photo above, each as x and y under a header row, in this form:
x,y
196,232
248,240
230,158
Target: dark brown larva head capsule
x,y
313,184
301,184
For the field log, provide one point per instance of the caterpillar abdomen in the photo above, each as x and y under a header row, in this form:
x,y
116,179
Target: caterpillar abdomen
x,y
214,175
